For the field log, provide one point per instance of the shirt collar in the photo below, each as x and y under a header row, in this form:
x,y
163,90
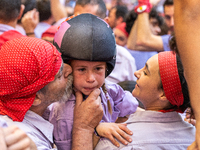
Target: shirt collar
x,y
154,116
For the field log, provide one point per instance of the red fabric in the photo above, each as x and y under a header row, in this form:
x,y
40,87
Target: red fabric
x,y
50,32
170,78
122,27
141,5
9,35
26,65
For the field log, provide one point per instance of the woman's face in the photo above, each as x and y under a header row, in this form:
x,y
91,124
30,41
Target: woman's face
x,y
120,37
148,80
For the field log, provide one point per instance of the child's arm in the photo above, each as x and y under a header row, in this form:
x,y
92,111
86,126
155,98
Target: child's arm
x,y
111,130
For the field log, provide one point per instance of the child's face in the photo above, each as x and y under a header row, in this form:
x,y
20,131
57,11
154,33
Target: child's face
x,y
88,75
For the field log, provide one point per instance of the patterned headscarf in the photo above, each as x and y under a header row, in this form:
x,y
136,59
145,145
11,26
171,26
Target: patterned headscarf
x,y
122,27
170,78
26,65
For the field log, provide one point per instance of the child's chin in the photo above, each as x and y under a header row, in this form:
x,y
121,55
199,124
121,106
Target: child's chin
x,y
87,93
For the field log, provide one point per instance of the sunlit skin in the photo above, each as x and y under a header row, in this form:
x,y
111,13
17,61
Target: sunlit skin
x,y
147,88
120,37
112,20
88,75
169,17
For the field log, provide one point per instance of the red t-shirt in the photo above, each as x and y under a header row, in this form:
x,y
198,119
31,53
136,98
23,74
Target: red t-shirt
x,y
9,35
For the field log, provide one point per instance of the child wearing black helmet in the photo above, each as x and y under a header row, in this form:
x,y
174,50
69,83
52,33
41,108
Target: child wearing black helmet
x,y
87,43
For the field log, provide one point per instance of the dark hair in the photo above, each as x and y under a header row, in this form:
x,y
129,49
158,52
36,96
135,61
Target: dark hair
x,y
101,11
29,5
44,9
130,19
132,16
184,86
121,11
168,3
9,10
154,14
172,44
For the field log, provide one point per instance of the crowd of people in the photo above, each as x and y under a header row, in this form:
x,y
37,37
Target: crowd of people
x,y
99,74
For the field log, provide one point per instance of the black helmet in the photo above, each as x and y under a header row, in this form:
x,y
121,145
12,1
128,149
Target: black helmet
x,y
86,37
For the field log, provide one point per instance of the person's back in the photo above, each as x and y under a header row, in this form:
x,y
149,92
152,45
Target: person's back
x,y
155,131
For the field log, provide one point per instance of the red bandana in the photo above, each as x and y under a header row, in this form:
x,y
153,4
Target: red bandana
x,y
170,78
26,65
50,32
122,27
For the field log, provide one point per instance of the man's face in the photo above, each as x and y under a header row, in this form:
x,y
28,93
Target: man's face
x,y
112,20
154,26
169,17
57,90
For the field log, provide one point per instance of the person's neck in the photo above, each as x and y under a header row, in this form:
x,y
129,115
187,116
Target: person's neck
x,y
38,110
11,23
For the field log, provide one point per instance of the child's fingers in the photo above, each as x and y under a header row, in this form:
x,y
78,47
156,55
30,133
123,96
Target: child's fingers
x,y
122,138
125,129
112,139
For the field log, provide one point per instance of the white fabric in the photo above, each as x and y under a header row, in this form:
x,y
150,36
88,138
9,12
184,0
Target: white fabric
x,y
124,68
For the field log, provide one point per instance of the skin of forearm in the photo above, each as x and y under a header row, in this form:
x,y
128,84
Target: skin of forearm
x,y
79,138
58,10
141,38
143,29
187,31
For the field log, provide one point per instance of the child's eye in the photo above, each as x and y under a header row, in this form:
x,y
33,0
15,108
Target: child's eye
x,y
99,68
81,69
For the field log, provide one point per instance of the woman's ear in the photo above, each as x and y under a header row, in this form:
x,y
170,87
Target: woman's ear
x,y
37,100
163,96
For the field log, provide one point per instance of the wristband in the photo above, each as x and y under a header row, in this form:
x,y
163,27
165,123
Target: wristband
x,y
30,33
96,133
143,8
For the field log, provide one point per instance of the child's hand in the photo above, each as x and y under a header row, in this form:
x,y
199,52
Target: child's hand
x,y
111,130
190,117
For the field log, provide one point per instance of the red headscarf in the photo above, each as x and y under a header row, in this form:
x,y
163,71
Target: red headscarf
x,y
170,78
122,27
50,32
26,65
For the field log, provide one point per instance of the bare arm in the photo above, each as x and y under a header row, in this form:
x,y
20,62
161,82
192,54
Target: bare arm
x,y
87,115
141,38
58,10
30,21
187,21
